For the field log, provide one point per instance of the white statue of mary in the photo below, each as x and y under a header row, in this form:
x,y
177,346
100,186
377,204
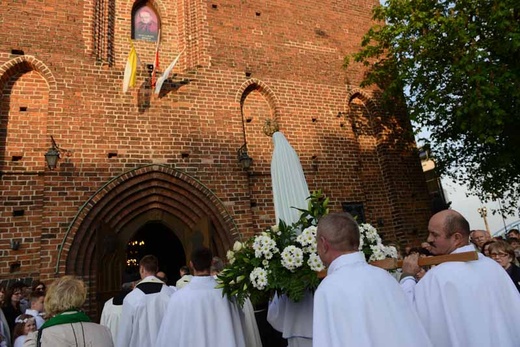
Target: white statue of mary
x,y
290,190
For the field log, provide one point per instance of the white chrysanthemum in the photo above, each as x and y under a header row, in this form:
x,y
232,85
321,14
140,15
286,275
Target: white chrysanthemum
x,y
315,262
390,252
311,249
275,229
265,263
265,246
377,252
292,258
308,237
258,278
370,233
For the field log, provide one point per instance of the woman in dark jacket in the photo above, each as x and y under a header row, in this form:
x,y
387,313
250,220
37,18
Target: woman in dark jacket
x,y
504,254
11,306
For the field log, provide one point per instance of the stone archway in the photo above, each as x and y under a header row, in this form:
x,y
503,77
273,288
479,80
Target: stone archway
x,y
95,245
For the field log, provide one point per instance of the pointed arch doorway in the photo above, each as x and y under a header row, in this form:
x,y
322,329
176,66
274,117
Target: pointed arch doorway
x,y
157,239
167,209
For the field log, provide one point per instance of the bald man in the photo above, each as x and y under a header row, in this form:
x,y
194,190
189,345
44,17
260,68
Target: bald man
x,y
471,303
358,304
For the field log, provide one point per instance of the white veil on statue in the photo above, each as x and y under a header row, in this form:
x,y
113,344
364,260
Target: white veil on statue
x,y
290,190
289,184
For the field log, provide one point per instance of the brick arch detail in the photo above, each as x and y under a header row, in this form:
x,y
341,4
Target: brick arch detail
x,y
264,89
372,105
134,193
375,113
24,63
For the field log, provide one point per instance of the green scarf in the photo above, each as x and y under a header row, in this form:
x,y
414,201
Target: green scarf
x,y
69,316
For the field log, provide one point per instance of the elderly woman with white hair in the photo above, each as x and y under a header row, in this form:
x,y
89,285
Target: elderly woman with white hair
x,y
68,325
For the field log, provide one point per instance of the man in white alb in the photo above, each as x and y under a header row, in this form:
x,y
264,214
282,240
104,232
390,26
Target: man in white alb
x,y
472,303
144,307
111,314
186,277
358,304
198,314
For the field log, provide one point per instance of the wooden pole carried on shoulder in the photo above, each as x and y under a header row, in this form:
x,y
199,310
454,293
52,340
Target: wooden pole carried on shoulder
x,y
392,263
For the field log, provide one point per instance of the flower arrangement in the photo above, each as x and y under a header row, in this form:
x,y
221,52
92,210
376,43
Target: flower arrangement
x,y
284,258
372,246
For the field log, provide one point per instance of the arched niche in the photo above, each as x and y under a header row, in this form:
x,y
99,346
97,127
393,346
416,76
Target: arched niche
x,y
24,105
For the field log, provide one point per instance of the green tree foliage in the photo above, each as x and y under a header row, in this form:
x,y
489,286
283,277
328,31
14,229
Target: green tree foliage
x,y
459,63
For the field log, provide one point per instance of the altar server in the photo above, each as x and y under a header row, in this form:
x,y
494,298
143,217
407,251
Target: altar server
x,y
358,304
472,303
199,315
111,314
144,307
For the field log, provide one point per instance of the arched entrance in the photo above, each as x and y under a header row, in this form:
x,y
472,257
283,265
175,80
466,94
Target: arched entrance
x,y
157,239
160,205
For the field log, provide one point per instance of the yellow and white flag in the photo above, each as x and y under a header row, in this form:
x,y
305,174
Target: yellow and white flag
x,y
166,74
130,69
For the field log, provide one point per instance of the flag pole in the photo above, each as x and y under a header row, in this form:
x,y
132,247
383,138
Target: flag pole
x,y
156,60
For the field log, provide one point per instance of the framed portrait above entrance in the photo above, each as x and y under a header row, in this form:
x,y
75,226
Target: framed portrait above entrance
x,y
145,25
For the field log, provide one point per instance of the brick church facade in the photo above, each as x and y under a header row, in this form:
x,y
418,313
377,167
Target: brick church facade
x,y
165,167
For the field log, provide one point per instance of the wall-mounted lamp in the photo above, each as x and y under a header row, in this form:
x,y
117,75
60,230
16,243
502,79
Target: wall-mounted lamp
x,y
314,163
53,154
244,158
149,68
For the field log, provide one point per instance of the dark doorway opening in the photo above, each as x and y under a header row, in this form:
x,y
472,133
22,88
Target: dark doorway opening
x,y
157,239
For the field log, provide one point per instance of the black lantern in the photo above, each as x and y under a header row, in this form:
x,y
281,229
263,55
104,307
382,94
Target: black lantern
x,y
52,155
244,158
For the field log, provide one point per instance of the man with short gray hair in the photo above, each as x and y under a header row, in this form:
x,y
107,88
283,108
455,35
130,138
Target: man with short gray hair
x,y
358,304
479,237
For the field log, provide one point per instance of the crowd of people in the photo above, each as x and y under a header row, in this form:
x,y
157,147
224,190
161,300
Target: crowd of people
x,y
356,304
21,311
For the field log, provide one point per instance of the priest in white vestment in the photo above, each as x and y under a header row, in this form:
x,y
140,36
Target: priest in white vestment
x,y
199,315
463,304
251,333
358,304
290,190
111,314
144,307
185,277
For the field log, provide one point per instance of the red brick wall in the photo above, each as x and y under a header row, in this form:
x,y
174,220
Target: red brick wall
x,y
243,61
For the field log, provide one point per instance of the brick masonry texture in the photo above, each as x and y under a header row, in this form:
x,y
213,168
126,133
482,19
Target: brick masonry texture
x,y
135,157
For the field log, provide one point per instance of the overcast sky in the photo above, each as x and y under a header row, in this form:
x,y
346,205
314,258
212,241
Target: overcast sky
x,y
468,206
